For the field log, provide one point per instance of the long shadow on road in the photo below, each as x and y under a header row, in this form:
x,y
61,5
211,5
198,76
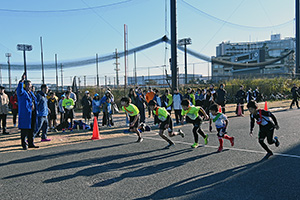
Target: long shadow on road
x,y
276,178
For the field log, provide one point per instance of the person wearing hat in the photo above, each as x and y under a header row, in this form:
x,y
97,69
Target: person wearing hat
x,y
96,105
86,103
4,101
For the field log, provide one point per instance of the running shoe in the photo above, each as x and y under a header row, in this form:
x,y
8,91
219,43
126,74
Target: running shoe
x,y
170,145
140,140
181,133
277,143
195,145
232,141
206,139
267,155
220,149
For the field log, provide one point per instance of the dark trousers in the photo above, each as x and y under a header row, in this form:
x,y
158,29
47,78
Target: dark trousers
x,y
142,114
62,117
104,119
15,114
3,118
178,116
28,132
222,104
295,100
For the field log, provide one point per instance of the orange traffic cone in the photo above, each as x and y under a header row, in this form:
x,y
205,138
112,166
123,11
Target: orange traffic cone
x,y
220,109
96,135
239,110
266,106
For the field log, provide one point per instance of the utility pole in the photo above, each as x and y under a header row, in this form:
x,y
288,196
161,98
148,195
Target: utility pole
x,y
97,69
79,82
117,67
62,77
125,53
56,72
297,39
42,61
173,44
105,81
135,78
84,81
8,55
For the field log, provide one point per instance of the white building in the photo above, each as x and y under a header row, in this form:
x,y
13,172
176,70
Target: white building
x,y
254,52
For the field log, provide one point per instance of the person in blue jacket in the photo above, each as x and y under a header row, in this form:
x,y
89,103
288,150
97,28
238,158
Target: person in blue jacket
x,y
27,112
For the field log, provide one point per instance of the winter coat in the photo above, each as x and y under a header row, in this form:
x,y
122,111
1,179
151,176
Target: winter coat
x,y
4,101
26,101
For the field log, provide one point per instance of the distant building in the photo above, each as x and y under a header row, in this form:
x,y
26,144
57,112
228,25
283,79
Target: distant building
x,y
254,52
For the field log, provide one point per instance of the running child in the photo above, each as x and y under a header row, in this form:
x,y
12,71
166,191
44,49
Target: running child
x,y
134,115
221,123
192,116
266,127
165,122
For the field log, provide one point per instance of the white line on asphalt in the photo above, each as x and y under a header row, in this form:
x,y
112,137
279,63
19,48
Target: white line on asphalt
x,y
234,149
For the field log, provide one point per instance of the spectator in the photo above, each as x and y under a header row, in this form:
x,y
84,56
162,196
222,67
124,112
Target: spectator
x,y
107,109
187,95
257,95
27,112
52,105
221,97
141,105
295,95
149,96
72,94
199,96
68,105
249,95
177,98
192,97
42,112
240,97
132,95
4,101
167,101
96,105
109,95
157,98
208,101
86,103
14,103
61,109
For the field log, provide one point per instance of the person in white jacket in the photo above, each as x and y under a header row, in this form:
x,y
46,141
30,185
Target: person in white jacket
x,y
177,98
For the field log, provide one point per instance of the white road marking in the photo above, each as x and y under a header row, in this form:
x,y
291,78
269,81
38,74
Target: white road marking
x,y
215,147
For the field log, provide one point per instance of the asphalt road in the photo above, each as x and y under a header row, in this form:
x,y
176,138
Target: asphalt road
x,y
119,168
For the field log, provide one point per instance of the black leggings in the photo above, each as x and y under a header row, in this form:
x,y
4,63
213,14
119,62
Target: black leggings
x,y
197,128
266,132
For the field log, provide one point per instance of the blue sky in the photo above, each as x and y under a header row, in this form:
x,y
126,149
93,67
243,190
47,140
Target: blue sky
x,y
74,35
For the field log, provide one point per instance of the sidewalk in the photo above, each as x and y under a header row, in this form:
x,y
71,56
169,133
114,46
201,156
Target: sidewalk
x,y
12,143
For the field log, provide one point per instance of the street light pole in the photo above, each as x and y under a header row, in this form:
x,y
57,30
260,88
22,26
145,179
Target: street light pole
x,y
8,55
24,48
184,42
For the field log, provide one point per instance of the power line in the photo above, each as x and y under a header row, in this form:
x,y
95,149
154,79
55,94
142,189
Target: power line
x,y
233,24
66,10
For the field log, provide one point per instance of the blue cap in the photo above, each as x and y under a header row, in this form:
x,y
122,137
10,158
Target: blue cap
x,y
96,95
63,95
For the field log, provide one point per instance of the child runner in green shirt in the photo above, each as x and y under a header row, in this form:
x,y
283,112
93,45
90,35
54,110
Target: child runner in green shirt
x,y
192,116
134,114
165,122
